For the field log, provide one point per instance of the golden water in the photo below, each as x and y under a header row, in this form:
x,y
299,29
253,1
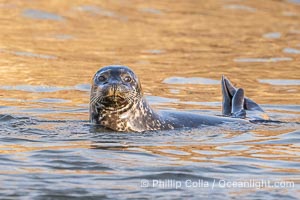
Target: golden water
x,y
49,51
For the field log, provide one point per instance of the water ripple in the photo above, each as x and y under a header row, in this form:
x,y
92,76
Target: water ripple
x,y
29,54
46,88
279,81
240,7
191,80
151,10
249,60
273,35
38,14
291,51
95,10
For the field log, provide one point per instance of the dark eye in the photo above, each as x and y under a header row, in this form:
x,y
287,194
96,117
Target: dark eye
x,y
101,78
127,79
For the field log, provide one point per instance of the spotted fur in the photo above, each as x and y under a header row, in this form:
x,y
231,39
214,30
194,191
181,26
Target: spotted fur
x,y
120,105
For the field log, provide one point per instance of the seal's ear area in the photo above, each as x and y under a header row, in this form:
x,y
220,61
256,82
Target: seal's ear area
x,y
226,98
138,83
138,86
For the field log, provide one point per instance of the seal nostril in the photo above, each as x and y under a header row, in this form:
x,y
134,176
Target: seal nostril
x,y
115,87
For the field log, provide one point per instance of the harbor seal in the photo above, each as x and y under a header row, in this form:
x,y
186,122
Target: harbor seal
x,y
117,103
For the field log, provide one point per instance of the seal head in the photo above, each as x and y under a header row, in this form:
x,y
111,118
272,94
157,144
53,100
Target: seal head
x,y
117,101
115,87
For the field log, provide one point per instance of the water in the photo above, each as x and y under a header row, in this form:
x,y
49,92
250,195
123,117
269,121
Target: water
x,y
49,51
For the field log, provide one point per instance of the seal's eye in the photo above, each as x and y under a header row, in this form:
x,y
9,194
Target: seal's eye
x,y
101,78
127,79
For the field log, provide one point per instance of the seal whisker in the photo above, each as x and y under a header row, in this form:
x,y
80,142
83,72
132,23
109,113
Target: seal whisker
x,y
96,99
93,99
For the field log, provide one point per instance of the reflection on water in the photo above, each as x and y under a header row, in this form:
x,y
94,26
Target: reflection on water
x,y
32,88
37,14
294,1
49,51
274,35
28,54
151,10
96,10
240,7
291,50
280,82
191,80
262,59
63,37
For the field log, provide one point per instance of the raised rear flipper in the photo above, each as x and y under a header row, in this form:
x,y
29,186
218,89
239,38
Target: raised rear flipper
x,y
237,108
235,104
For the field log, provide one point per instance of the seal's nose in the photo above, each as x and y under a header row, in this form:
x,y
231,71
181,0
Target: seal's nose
x,y
112,89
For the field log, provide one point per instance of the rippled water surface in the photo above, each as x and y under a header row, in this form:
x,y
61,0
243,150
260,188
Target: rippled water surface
x,y
49,51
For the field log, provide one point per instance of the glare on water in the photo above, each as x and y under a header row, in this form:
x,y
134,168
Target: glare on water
x,y
49,51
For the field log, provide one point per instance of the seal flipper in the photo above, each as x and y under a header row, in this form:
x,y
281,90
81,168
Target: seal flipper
x,y
230,88
251,105
237,109
248,103
228,91
226,98
232,99
236,99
